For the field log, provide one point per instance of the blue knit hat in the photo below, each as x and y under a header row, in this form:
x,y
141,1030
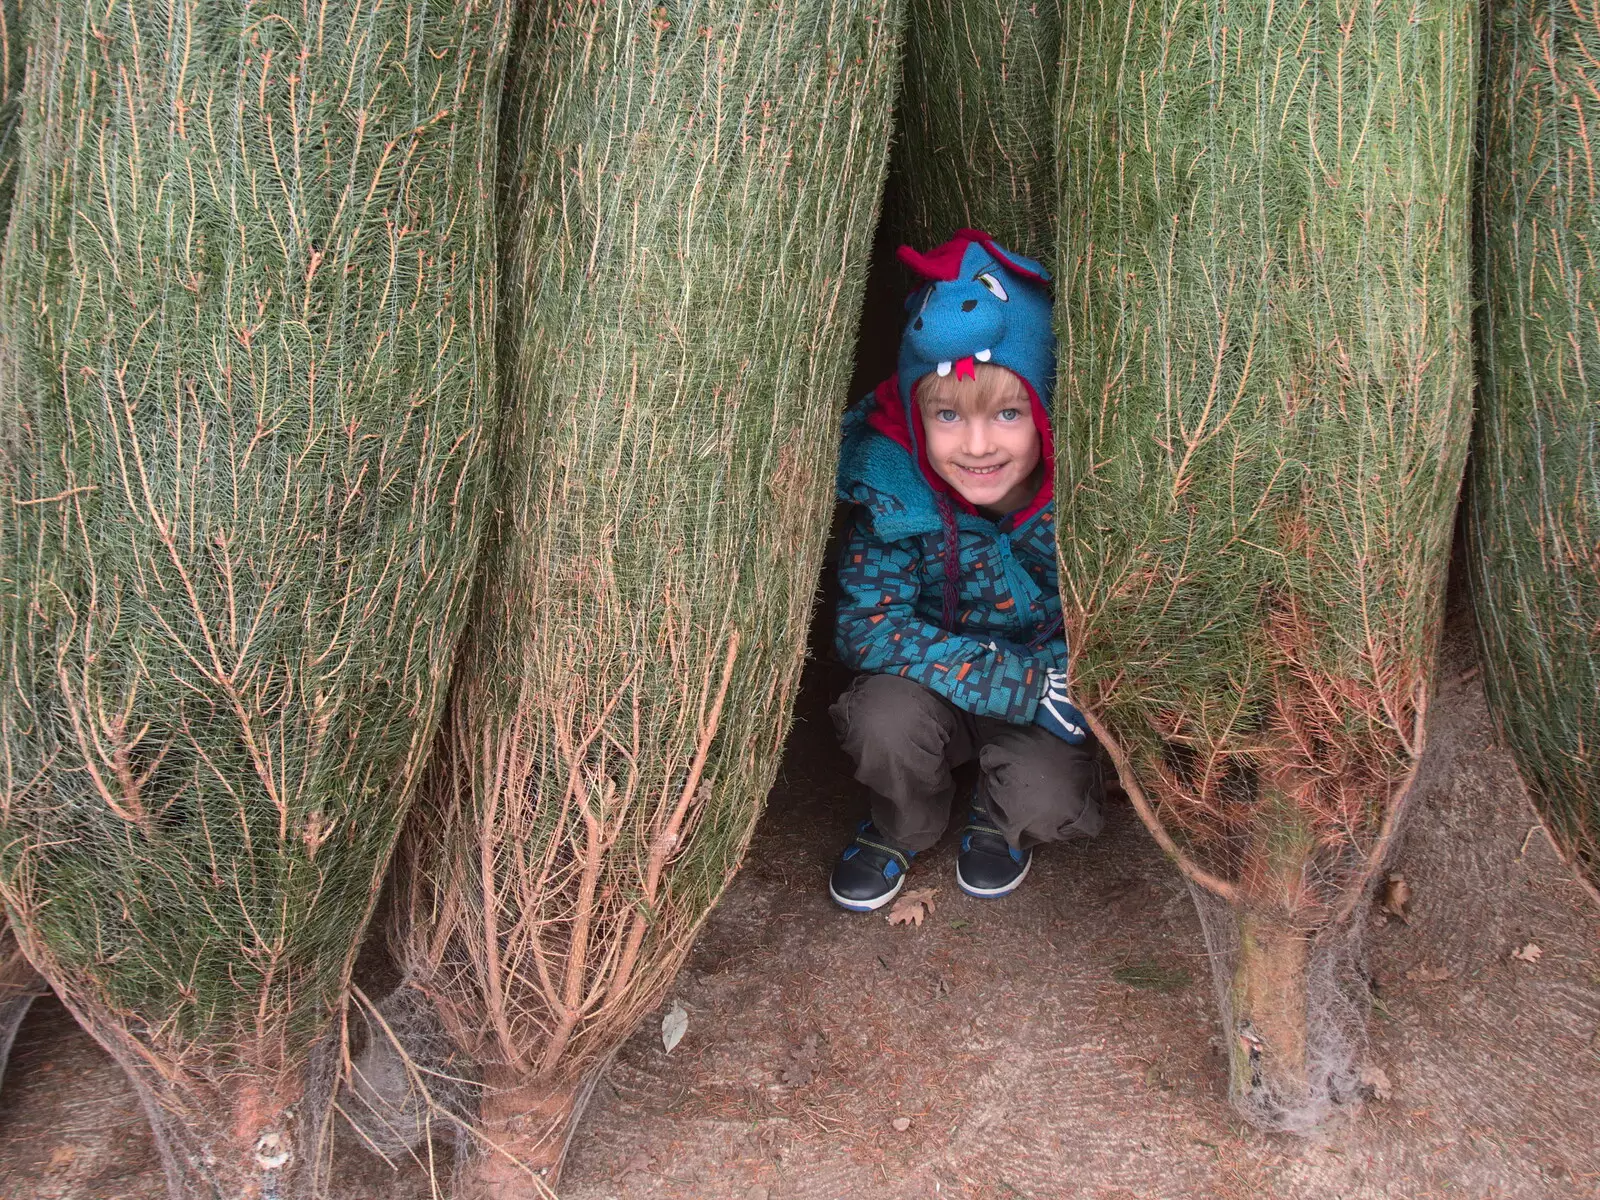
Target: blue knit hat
x,y
979,303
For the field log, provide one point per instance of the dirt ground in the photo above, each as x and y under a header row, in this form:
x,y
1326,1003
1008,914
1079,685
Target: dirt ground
x,y
1061,1042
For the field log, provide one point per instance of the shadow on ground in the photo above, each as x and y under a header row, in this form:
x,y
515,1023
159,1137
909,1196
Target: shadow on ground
x,y
1062,1042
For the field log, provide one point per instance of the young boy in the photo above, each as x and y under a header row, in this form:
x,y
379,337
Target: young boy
x,y
950,604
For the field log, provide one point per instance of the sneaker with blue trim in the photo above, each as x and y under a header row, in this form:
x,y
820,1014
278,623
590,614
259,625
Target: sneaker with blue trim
x,y
988,866
870,872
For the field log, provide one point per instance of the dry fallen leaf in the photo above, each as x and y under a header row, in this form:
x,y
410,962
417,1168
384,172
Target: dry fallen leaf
x,y
1374,1079
1396,895
639,1164
1529,953
1430,974
901,1124
912,907
806,1051
804,1067
673,1026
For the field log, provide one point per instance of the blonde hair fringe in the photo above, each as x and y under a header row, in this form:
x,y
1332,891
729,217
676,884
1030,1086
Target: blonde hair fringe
x,y
990,388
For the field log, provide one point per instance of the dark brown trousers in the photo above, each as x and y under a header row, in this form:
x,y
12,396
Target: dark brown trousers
x,y
906,741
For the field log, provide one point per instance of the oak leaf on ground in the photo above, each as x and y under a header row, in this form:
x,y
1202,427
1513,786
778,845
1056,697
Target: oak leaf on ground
x,y
912,907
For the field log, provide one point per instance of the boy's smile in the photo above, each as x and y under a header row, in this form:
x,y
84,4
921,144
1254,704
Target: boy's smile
x,y
982,441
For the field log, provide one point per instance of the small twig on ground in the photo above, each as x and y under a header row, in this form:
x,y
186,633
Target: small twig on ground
x,y
1528,837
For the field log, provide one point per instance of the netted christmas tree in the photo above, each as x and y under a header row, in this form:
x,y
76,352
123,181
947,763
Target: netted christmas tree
x,y
975,127
691,195
13,60
1263,411
1534,495
246,412
19,982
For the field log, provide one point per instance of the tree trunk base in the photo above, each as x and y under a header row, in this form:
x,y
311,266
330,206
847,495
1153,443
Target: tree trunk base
x,y
240,1139
525,1125
1267,1056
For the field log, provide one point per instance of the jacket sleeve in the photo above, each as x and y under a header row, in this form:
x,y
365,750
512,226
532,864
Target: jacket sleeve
x,y
1053,654
879,631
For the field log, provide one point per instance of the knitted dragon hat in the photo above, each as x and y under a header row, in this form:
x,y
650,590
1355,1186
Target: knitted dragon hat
x,y
980,303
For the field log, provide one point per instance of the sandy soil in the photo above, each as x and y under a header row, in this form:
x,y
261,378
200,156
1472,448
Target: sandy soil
x,y
1062,1042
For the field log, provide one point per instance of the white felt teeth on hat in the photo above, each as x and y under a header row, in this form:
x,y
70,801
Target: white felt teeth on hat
x,y
944,369
984,355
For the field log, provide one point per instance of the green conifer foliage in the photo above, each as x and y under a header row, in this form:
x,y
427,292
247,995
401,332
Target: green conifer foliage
x,y
19,983
247,409
12,59
976,131
691,196
1534,495
1263,410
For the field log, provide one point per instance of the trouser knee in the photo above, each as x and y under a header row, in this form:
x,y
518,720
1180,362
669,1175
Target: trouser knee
x,y
886,723
1039,788
903,740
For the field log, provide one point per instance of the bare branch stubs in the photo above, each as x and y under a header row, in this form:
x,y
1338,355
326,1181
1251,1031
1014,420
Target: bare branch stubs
x,y
577,930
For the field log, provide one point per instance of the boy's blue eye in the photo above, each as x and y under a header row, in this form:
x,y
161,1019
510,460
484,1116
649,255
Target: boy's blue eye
x,y
947,415
1008,414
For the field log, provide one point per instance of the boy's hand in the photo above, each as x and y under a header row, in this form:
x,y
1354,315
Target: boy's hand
x,y
1060,715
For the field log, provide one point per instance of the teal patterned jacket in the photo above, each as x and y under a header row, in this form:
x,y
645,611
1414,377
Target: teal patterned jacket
x,y
992,659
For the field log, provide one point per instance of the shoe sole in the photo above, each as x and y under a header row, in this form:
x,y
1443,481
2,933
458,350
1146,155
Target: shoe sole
x,y
993,893
872,905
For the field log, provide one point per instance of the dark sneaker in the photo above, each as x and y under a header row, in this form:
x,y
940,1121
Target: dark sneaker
x,y
988,866
869,873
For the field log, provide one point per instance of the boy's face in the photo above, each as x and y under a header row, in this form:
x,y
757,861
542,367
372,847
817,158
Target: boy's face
x,y
981,440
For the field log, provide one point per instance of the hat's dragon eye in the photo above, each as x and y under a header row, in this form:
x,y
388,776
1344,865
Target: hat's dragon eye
x,y
994,285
